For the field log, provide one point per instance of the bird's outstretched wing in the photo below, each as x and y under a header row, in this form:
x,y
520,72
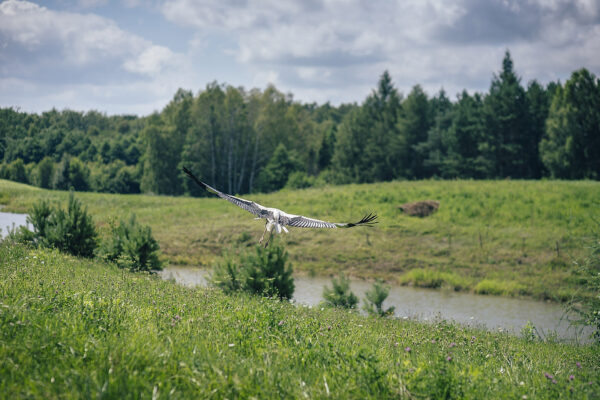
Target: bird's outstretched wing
x,y
305,222
247,205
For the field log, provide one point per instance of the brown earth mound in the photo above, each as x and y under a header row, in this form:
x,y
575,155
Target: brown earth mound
x,y
420,208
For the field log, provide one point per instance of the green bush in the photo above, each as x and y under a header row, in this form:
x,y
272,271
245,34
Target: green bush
x,y
375,298
227,276
131,246
339,295
299,180
71,231
265,272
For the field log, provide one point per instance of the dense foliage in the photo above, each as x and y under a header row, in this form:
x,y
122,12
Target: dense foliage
x,y
131,246
244,141
71,231
264,271
127,243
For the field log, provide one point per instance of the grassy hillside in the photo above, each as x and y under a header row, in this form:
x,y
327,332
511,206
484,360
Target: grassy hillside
x,y
497,237
71,328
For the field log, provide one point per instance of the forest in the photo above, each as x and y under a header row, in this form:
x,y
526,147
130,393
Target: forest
x,y
243,141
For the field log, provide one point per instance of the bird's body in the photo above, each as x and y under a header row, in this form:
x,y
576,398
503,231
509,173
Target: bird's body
x,y
277,220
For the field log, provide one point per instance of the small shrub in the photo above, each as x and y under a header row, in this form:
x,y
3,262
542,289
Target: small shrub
x,y
375,298
19,234
131,246
586,303
227,276
529,332
265,272
268,273
71,231
339,295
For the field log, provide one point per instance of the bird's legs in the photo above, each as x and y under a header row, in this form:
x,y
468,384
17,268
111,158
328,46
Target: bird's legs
x,y
269,238
268,228
263,235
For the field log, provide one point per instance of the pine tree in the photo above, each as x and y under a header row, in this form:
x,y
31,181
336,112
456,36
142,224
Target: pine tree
x,y
505,146
571,146
413,125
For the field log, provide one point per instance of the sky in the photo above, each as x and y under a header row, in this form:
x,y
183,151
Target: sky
x,y
130,56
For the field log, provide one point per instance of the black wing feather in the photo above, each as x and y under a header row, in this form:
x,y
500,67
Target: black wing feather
x,y
247,205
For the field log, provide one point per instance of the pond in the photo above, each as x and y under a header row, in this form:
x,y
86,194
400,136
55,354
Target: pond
x,y
10,221
488,312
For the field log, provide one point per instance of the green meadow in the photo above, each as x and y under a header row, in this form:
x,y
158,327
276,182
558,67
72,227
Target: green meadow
x,y
511,238
74,328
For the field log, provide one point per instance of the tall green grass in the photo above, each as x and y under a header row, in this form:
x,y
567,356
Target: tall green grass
x,y
523,235
73,328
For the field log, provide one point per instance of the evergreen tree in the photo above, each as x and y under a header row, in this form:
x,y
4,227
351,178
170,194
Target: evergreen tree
x,y
463,139
506,145
369,147
339,295
571,147
434,150
538,102
413,126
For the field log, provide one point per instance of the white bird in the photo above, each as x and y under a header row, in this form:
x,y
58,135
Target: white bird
x,y
276,220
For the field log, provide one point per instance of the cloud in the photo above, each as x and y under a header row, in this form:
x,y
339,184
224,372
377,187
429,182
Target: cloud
x,y
345,44
319,50
36,40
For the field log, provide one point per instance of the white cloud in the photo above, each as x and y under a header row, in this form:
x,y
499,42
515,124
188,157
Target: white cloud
x,y
345,44
319,50
74,40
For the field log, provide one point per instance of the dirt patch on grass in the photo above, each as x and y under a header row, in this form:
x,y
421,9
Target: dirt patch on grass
x,y
420,208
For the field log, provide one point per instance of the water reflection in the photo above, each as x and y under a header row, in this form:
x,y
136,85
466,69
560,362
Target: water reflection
x,y
424,304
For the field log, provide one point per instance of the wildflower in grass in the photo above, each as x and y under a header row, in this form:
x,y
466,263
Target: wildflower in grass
x,y
452,344
578,364
407,349
280,323
449,358
548,376
571,377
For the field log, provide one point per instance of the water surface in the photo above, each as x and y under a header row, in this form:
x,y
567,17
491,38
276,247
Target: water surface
x,y
10,221
489,312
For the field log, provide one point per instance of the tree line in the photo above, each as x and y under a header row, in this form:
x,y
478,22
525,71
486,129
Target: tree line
x,y
243,141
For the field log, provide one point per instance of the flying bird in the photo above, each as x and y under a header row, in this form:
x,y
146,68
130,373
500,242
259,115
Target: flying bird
x,y
277,220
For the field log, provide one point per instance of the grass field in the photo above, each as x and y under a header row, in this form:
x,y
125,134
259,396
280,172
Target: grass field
x,y
514,238
71,328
